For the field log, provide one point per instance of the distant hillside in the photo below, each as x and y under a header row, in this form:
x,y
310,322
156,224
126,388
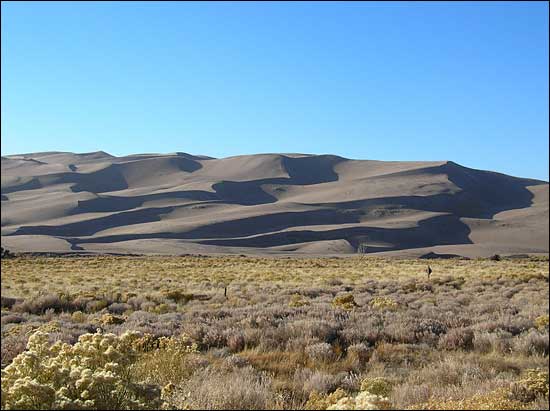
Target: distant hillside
x,y
266,203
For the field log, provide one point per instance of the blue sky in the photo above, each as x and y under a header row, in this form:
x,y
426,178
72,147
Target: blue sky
x,y
466,82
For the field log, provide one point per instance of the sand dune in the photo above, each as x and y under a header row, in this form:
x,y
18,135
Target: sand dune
x,y
268,203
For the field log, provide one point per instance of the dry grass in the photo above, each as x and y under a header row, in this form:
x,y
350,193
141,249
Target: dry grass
x,y
293,330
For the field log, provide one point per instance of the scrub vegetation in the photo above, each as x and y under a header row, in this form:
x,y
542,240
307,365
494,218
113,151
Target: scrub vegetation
x,y
236,332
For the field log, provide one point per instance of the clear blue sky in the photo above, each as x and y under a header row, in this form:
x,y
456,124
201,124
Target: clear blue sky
x,y
466,82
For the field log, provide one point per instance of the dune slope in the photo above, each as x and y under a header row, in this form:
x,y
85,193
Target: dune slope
x,y
266,203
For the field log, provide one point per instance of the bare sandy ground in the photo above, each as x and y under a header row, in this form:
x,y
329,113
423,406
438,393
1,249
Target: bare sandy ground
x,y
266,204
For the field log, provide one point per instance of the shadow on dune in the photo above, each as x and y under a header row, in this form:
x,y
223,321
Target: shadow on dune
x,y
94,225
119,203
32,184
483,194
438,230
110,178
226,229
301,171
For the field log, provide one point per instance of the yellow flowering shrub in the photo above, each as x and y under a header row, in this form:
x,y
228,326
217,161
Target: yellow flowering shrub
x,y
345,302
94,373
79,317
533,384
541,322
377,386
318,401
298,301
109,319
384,303
364,400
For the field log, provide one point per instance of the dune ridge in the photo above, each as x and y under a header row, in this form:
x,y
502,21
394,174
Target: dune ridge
x,y
266,203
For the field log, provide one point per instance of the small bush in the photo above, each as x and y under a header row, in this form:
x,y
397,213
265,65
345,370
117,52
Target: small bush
x,y
457,338
345,302
359,353
96,305
235,341
178,296
12,319
534,343
320,352
298,300
109,319
79,317
542,322
384,303
118,308
7,302
377,386
318,401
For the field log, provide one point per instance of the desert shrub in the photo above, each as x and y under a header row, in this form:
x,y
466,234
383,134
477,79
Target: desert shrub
x,y
298,300
407,393
359,353
483,343
339,400
79,317
320,352
457,338
118,308
501,341
327,331
399,355
377,386
109,319
12,319
318,381
235,361
318,401
212,388
495,400
430,326
383,303
7,302
136,302
163,360
541,322
402,330
533,384
92,374
213,337
40,304
12,346
345,302
534,343
235,340
96,305
177,295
